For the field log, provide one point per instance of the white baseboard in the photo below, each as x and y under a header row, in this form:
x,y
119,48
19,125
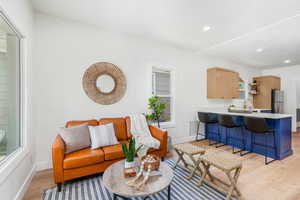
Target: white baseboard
x,y
178,140
42,165
26,184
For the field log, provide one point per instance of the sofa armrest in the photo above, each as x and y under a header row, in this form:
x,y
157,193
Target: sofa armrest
x,y
162,136
58,155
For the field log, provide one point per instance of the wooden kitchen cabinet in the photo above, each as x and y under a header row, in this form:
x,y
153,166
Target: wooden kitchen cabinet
x,y
265,84
222,83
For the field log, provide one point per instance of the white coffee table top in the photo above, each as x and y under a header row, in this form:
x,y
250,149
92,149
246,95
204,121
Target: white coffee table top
x,y
115,181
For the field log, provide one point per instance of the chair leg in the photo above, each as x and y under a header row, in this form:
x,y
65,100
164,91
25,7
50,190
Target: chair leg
x,y
275,147
180,158
197,131
275,150
219,138
59,187
210,144
243,144
268,162
197,134
234,152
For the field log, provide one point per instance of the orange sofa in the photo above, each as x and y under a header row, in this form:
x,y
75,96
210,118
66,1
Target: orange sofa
x,y
87,161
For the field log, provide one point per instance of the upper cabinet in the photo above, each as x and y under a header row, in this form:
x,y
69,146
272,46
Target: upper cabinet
x,y
264,84
222,83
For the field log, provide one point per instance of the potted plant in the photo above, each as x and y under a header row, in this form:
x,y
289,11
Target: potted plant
x,y
157,108
129,153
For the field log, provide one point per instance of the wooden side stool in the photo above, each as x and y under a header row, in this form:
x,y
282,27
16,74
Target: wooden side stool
x,y
190,150
225,162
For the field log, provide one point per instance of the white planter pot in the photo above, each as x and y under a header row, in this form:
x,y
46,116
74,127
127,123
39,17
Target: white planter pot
x,y
129,164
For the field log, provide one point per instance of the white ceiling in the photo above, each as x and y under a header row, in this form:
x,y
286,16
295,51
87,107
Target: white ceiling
x,y
238,27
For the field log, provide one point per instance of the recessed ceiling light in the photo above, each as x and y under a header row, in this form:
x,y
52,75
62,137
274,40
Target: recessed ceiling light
x,y
206,28
287,61
259,50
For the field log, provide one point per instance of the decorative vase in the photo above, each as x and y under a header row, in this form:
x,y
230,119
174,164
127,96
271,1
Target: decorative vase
x,y
129,164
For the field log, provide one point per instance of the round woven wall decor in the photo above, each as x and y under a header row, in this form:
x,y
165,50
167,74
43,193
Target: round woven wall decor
x,y
89,82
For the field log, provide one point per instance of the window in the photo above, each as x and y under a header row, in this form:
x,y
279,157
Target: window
x,y
162,87
10,137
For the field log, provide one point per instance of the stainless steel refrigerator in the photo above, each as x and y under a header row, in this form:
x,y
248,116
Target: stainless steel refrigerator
x,y
277,101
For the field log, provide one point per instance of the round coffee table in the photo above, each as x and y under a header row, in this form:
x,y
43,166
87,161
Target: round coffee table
x,y
115,182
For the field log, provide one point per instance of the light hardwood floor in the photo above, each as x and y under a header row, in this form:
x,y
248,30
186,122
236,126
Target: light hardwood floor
x,y
279,180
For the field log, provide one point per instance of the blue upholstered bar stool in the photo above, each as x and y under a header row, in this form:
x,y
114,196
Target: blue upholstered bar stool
x,y
260,126
228,123
206,118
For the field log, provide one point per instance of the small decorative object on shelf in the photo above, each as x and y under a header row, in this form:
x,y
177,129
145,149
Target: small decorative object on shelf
x,y
253,88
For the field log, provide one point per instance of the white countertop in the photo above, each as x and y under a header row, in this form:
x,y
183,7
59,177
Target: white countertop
x,y
254,114
259,109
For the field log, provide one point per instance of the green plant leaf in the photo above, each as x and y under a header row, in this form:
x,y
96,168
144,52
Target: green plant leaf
x,y
157,108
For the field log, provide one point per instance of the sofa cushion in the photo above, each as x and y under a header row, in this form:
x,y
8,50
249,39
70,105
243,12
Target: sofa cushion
x,y
75,138
92,122
102,135
119,125
113,152
83,157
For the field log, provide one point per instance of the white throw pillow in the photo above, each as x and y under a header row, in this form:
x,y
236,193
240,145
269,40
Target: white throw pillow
x,y
103,135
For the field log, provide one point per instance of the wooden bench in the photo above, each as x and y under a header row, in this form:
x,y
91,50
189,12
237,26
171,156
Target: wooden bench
x,y
225,162
190,150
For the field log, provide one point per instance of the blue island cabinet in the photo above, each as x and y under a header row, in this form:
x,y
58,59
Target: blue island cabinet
x,y
233,137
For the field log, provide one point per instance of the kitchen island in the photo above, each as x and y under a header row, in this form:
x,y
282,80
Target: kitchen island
x,y
281,123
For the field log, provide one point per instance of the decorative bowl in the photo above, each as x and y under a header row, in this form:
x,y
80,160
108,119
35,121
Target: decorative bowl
x,y
151,160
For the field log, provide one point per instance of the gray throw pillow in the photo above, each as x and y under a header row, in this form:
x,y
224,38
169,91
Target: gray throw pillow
x,y
76,138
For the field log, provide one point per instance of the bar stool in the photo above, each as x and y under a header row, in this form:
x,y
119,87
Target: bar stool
x,y
228,122
206,118
260,126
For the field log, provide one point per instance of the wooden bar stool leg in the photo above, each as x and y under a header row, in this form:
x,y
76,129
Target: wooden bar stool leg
x,y
233,182
236,176
209,174
196,166
231,188
180,158
204,173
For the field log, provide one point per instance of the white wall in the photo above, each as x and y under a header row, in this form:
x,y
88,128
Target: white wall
x,y
14,175
289,77
65,49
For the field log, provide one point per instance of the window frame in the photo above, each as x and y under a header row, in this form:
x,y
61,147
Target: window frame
x,y
11,161
159,68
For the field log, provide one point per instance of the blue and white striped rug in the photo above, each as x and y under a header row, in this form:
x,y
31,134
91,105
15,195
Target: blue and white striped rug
x,y
92,188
